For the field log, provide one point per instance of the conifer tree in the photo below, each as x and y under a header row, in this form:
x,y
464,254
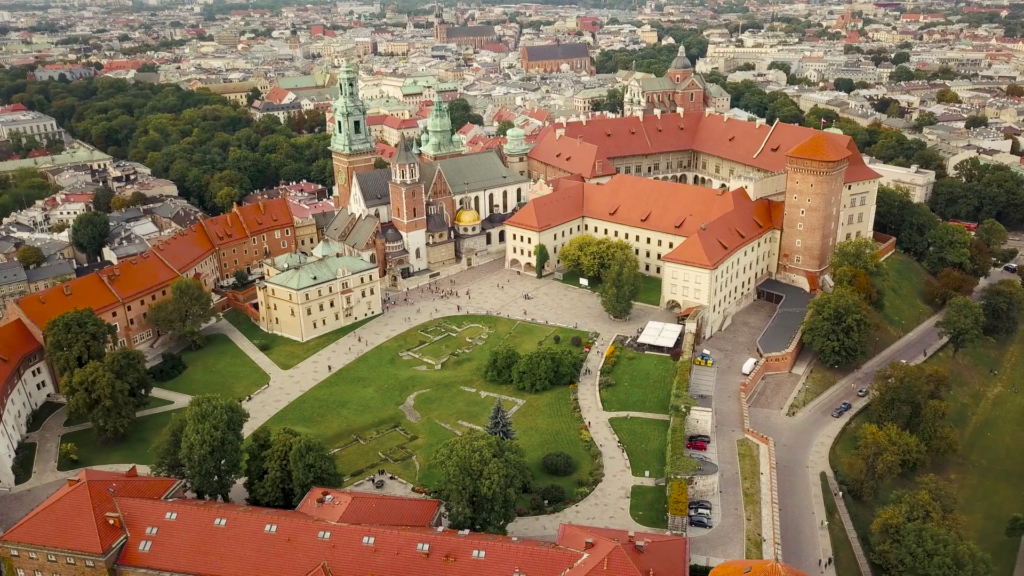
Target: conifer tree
x,y
500,425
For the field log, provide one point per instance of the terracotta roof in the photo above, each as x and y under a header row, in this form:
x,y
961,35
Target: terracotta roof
x,y
138,276
89,291
550,210
16,342
820,148
614,553
711,245
185,249
277,95
572,155
298,545
75,517
225,229
755,568
267,215
361,508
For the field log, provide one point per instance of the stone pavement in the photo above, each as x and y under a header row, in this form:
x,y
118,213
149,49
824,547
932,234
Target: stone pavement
x,y
47,439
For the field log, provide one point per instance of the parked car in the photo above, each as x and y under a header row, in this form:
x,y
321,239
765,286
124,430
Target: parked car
x,y
700,504
749,366
1011,267
862,392
705,512
700,521
697,445
703,359
842,409
699,438
700,457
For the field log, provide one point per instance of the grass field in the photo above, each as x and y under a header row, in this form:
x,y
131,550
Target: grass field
x,y
903,308
285,352
750,480
153,402
364,399
643,383
24,460
134,449
39,415
842,551
650,287
219,368
644,439
648,505
985,411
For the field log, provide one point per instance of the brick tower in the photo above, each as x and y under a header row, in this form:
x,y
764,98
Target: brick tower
x,y
409,204
814,187
352,147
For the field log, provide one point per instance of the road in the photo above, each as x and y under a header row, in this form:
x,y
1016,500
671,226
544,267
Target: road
x,y
795,439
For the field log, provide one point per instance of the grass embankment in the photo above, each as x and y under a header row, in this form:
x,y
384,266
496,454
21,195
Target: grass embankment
x,y
842,550
644,440
903,307
985,410
750,482
285,352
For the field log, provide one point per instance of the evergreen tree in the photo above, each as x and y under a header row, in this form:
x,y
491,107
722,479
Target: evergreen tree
x,y
500,425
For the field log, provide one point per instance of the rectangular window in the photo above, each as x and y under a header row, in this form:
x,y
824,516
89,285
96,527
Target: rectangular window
x,y
90,563
324,535
145,545
270,528
69,560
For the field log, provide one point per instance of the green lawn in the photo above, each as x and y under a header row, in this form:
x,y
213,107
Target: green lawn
x,y
153,402
987,471
220,368
285,352
24,460
650,287
903,308
644,439
648,505
39,415
643,383
134,449
365,397
842,551
750,480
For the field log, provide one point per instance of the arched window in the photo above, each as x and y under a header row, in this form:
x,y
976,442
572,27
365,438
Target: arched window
x,y
501,236
403,173
490,204
504,201
373,258
476,204
413,212
519,195
488,238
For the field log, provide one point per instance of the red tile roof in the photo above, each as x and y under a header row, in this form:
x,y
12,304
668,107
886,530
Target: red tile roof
x,y
86,292
16,342
225,229
550,210
75,517
361,508
267,215
614,553
574,155
137,276
714,243
277,95
820,148
192,544
185,249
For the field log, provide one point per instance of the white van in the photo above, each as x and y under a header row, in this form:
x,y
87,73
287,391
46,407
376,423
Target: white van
x,y
749,365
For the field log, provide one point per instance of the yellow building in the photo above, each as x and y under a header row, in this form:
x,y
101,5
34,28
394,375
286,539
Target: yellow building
x,y
303,297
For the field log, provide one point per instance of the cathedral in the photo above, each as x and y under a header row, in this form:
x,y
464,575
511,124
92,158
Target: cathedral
x,y
679,90
475,36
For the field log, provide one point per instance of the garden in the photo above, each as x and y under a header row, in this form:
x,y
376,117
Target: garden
x,y
638,383
650,287
285,352
135,448
391,409
220,367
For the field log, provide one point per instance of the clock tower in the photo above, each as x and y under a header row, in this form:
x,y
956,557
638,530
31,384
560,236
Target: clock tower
x,y
352,147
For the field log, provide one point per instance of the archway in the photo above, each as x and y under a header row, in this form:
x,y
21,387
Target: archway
x,y
488,238
515,264
675,178
724,186
673,305
529,268
501,237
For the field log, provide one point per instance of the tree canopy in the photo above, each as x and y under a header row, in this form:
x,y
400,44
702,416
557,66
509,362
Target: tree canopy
x,y
76,338
184,312
837,327
89,233
962,324
1002,304
620,285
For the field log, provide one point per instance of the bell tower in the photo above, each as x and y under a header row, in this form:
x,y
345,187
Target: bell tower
x,y
352,146
409,203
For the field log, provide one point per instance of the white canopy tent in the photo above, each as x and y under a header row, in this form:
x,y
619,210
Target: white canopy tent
x,y
660,334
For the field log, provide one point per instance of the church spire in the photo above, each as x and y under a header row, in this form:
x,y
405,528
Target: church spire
x,y
438,142
351,135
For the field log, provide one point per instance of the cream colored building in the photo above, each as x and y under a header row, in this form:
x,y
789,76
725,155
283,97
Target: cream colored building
x,y
303,297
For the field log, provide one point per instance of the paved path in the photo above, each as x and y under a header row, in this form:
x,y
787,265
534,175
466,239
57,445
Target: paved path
x,y
47,439
636,415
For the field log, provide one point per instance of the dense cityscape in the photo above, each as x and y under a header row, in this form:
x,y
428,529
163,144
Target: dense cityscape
x,y
704,287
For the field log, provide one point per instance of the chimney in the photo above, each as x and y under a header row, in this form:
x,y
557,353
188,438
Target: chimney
x,y
588,543
131,472
67,289
631,535
261,207
319,501
114,519
72,481
657,112
639,545
913,168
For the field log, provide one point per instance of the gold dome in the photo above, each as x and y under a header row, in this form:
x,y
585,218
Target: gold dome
x,y
467,217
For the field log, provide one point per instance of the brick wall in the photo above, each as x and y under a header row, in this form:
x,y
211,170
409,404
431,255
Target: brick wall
x,y
29,566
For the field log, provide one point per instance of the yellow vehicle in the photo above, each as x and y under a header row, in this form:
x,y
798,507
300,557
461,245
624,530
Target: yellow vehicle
x,y
704,360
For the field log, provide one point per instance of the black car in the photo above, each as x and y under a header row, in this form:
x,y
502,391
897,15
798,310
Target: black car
x,y
700,521
842,409
699,438
699,504
1012,268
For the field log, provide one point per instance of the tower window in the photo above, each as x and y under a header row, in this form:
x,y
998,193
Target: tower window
x,y
357,127
339,127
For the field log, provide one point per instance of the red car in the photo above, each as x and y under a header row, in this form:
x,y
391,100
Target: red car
x,y
697,445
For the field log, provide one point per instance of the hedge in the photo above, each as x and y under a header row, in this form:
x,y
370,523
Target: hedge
x,y
678,498
677,463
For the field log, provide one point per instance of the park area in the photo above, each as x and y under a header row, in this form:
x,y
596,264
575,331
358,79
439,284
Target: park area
x,y
903,307
638,383
650,287
644,440
987,470
285,352
392,409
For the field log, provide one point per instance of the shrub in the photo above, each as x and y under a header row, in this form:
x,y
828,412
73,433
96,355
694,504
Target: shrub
x,y
576,341
170,367
556,338
675,354
678,498
605,382
553,493
261,345
69,452
611,357
1004,255
501,364
558,464
546,367
536,504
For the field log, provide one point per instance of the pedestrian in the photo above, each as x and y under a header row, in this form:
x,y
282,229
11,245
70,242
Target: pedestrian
x,y
819,562
840,494
328,367
829,561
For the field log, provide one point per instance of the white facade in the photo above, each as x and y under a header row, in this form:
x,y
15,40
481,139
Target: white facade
x,y
28,390
915,179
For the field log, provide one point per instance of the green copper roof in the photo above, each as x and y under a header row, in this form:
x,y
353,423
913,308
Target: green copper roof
x,y
351,134
315,272
438,139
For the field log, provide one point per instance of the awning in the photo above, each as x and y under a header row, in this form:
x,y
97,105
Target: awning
x,y
660,334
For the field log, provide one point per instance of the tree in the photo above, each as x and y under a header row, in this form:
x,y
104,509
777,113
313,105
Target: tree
x,y
275,489
1015,90
167,449
255,461
545,368
482,478
541,253
992,233
925,119
129,366
881,454
499,424
976,121
894,110
949,246
1015,526
185,312
901,57
253,95
837,327
76,338
901,74
861,253
226,198
784,66
844,85
312,465
501,363
1002,304
30,256
745,67
859,281
136,199
947,96
211,445
89,233
461,114
962,323
949,283
620,284
101,199
504,126
924,549
581,255
107,401
380,163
